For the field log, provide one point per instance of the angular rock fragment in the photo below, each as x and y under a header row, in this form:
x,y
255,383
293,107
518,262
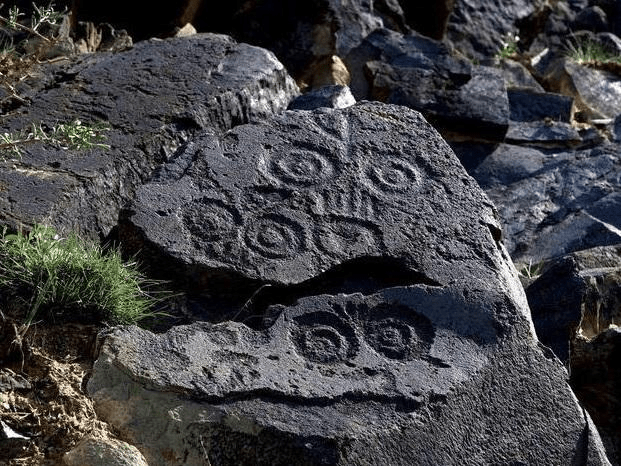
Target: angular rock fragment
x,y
389,315
528,105
576,293
543,134
422,74
597,93
553,202
152,97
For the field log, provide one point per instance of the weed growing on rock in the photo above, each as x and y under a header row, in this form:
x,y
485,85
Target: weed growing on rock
x,y
62,275
588,52
73,135
23,43
509,48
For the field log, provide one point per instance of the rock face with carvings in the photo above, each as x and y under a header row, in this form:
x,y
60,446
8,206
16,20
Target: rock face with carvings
x,y
379,308
152,98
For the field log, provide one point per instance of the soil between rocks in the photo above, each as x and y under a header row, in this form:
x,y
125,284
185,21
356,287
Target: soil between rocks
x,y
42,390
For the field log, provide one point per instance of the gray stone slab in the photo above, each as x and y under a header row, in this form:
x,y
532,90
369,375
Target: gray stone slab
x,y
543,134
529,105
153,97
553,202
423,74
390,313
287,200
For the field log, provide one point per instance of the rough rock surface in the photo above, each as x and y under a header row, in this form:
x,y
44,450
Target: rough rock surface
x,y
596,378
302,33
479,28
597,92
284,201
153,97
342,365
423,74
327,96
552,202
97,452
576,293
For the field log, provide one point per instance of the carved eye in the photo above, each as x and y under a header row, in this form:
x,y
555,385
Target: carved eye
x,y
324,337
398,332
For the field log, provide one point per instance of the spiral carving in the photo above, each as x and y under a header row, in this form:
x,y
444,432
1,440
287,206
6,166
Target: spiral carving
x,y
275,236
301,167
324,337
398,332
390,176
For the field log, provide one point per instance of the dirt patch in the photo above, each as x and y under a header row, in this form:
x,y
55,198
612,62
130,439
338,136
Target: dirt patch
x,y
43,369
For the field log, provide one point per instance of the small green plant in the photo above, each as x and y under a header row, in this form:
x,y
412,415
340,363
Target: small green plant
x,y
69,274
16,60
530,270
509,47
73,135
589,52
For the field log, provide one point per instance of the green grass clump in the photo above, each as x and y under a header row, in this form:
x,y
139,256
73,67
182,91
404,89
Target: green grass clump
x,y
73,135
70,275
588,52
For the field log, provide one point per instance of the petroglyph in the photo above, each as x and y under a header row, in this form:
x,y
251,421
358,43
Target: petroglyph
x,y
275,236
324,337
341,237
397,332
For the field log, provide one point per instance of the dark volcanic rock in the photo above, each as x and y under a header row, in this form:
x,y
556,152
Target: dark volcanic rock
x,y
422,74
543,134
478,29
153,97
528,105
596,379
394,318
284,201
327,96
553,202
579,292
301,33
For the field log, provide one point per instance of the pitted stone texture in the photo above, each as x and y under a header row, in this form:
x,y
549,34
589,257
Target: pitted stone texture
x,y
288,199
424,74
153,97
478,29
553,202
347,379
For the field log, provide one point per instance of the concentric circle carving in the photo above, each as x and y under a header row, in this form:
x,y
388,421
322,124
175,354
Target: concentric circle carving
x,y
211,220
391,175
324,337
275,236
301,167
398,332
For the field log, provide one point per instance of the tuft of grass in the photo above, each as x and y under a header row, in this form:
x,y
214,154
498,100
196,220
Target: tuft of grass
x,y
73,135
70,275
588,52
530,270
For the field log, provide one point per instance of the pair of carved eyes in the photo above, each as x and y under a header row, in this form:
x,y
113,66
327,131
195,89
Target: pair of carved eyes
x,y
326,337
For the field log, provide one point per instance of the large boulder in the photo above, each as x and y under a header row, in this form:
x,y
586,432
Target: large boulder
x,y
579,293
552,202
423,74
380,308
153,98
479,29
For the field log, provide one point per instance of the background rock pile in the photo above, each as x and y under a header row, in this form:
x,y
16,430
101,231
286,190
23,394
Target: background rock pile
x,y
346,271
